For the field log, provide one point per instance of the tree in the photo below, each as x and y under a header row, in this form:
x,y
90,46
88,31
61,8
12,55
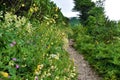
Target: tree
x,y
83,7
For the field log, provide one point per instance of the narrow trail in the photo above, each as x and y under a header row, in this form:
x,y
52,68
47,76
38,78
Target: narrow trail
x,y
85,72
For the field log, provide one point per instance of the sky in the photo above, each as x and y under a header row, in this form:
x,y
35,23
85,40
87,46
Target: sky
x,y
66,7
111,8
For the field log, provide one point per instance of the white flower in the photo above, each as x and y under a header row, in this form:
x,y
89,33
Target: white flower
x,y
54,56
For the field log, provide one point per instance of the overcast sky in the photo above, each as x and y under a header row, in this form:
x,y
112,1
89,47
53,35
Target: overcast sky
x,y
111,8
66,7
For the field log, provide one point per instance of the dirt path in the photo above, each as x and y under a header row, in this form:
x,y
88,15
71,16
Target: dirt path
x,y
83,68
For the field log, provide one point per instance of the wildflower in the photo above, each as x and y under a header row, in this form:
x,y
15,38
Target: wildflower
x,y
4,74
49,74
56,15
36,78
13,44
63,34
52,43
72,75
31,9
56,9
23,5
52,67
57,77
11,63
40,66
29,28
34,4
37,72
17,66
23,65
14,59
48,23
36,9
54,56
51,21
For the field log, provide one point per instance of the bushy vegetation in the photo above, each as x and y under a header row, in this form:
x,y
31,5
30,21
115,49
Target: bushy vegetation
x,y
102,55
98,38
32,42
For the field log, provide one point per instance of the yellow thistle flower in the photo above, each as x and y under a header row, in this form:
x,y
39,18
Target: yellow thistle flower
x,y
4,74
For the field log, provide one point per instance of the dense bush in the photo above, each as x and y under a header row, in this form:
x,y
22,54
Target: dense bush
x,y
101,50
33,51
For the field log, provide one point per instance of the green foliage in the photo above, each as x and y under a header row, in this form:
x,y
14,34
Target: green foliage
x,y
101,50
37,9
33,42
30,50
98,39
74,21
83,6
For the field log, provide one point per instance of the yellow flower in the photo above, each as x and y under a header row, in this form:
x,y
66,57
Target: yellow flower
x,y
36,9
23,5
34,4
49,74
4,74
56,9
57,77
37,72
52,43
63,34
31,9
48,23
40,66
56,15
53,21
